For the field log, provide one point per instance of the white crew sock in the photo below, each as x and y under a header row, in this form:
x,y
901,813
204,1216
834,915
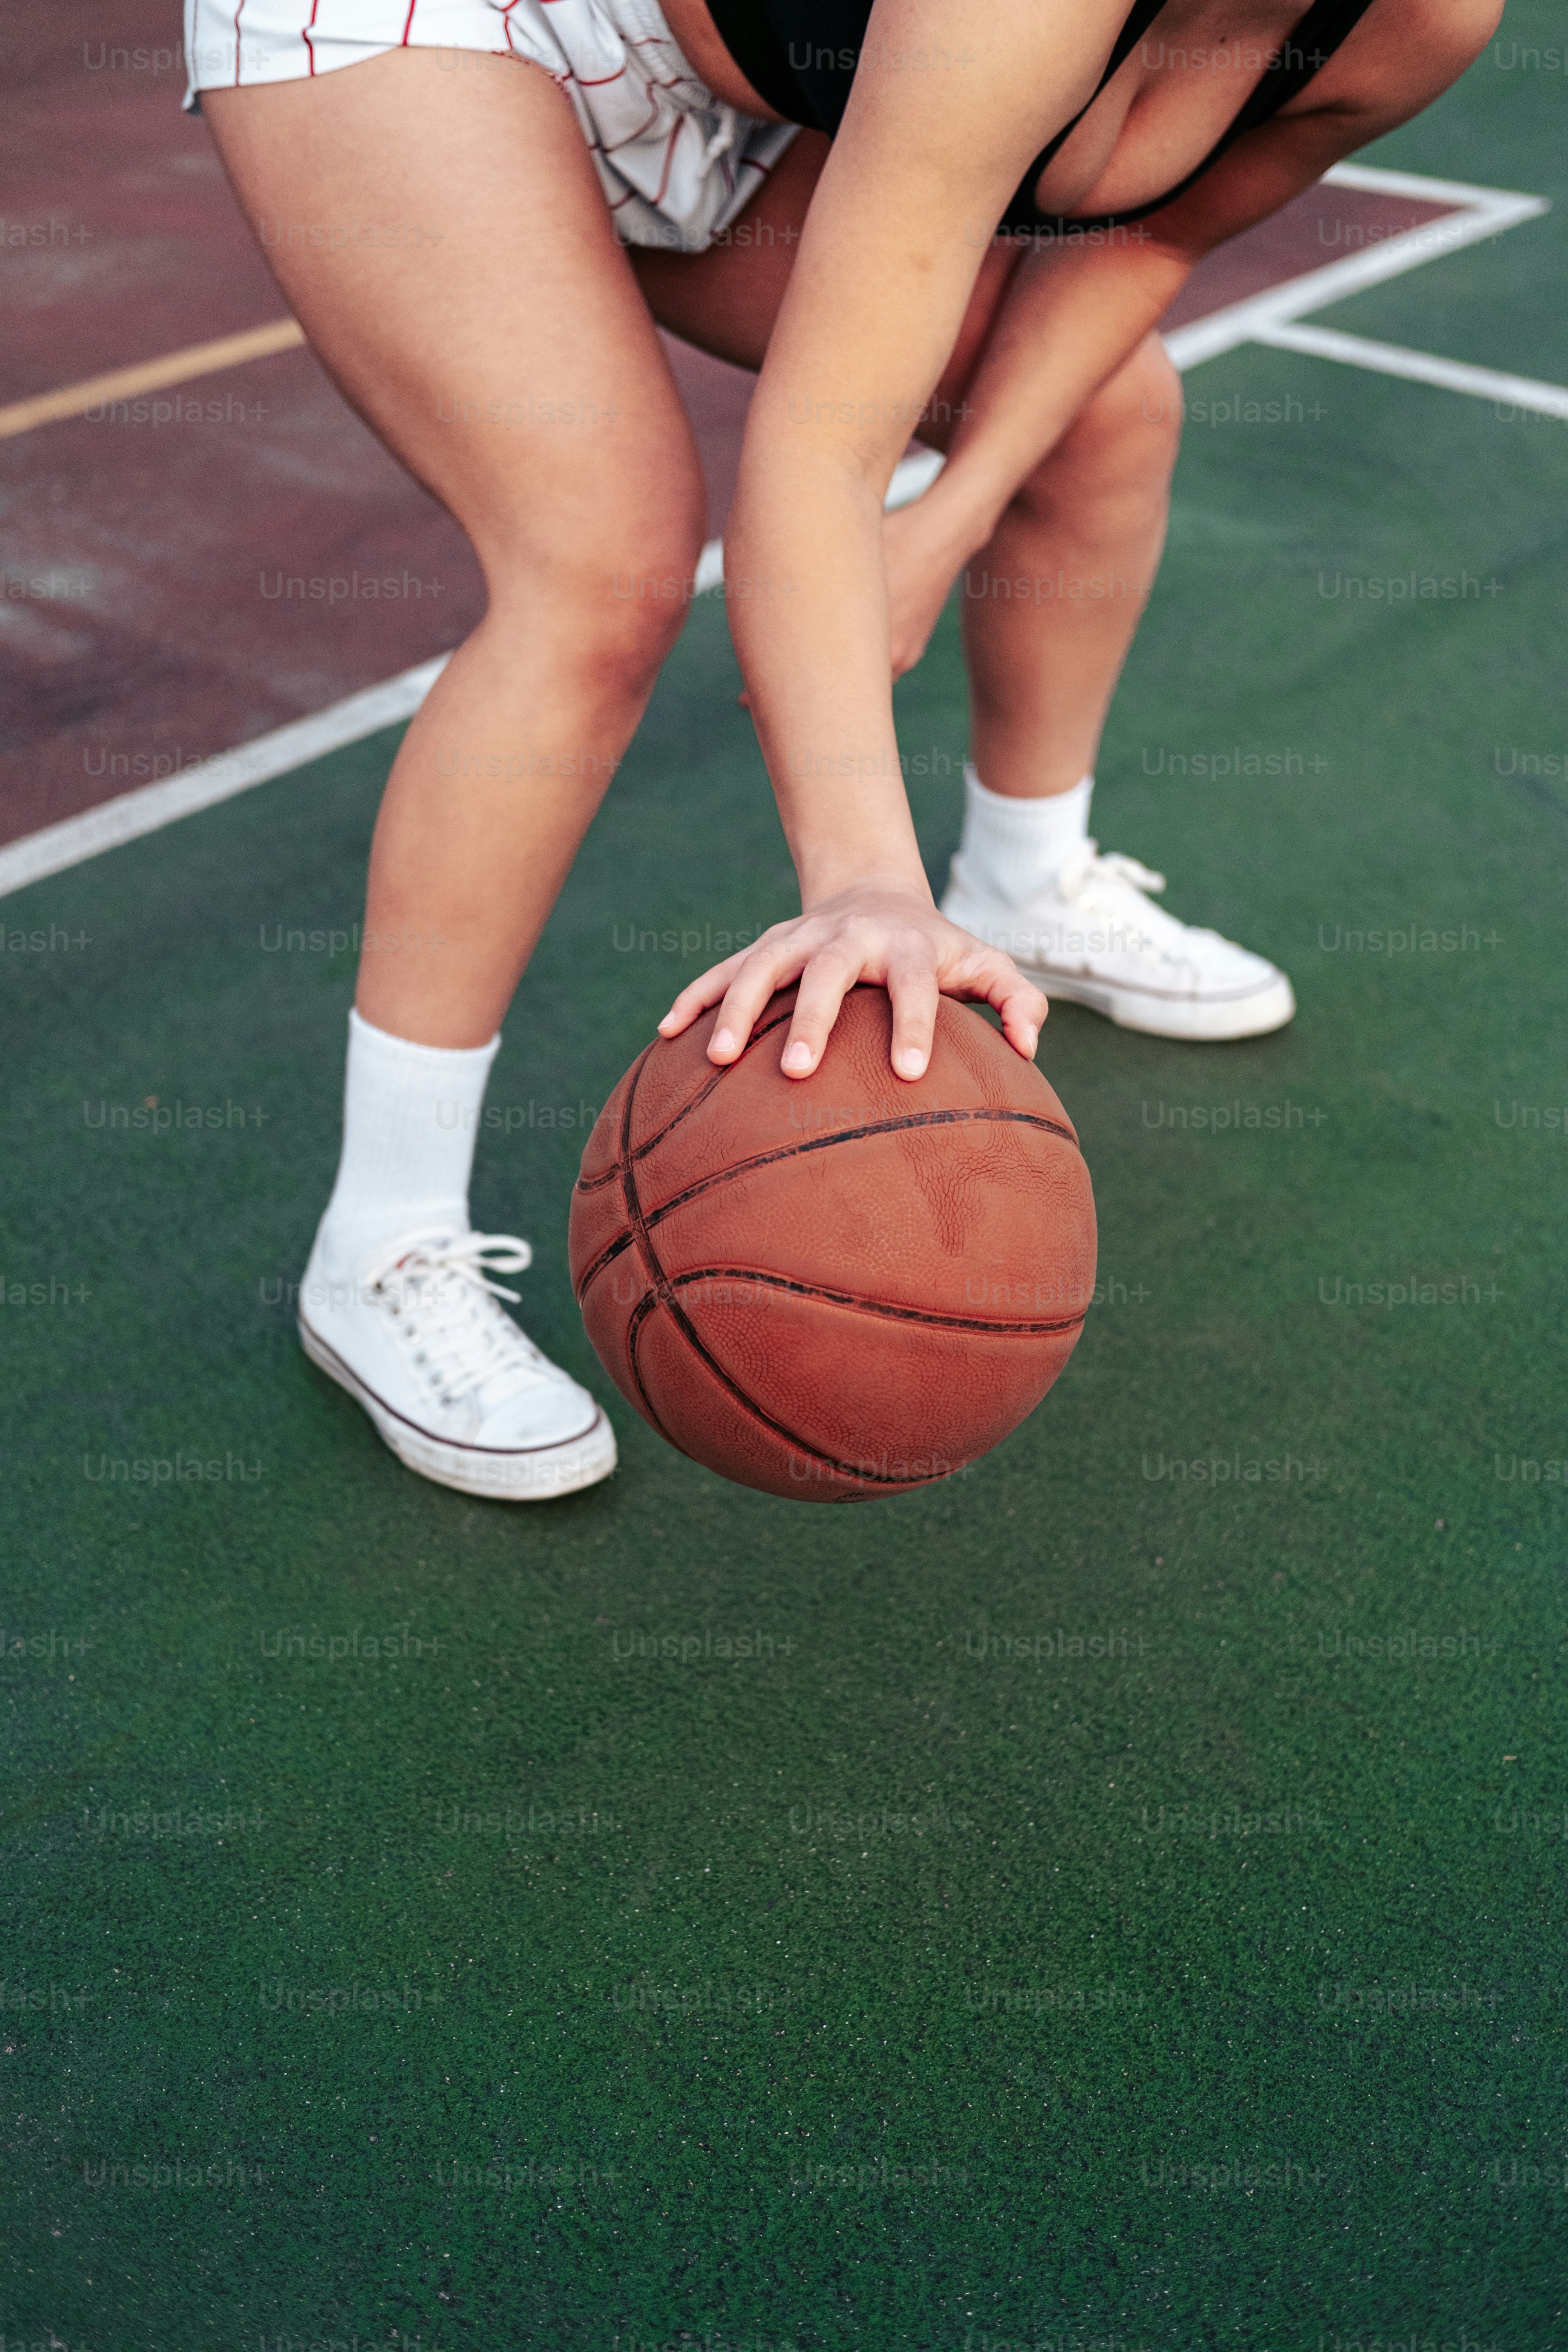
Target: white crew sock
x,y
1014,849
411,1115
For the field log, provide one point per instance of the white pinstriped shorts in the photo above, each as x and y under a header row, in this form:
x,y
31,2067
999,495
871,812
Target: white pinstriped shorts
x,y
676,166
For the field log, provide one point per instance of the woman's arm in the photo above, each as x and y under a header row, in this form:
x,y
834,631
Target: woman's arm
x,y
940,126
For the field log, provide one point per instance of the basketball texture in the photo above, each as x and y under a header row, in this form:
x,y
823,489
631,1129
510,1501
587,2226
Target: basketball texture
x,y
839,1287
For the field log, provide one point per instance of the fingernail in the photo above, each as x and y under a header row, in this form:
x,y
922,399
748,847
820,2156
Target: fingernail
x,y
666,1022
910,1063
722,1042
798,1058
1031,1036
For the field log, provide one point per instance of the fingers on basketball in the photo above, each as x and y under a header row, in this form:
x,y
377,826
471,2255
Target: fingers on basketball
x,y
1022,1010
994,979
707,989
743,984
913,986
826,981
759,975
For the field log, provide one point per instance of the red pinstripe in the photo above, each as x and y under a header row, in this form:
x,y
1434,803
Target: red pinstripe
x,y
668,160
730,165
643,128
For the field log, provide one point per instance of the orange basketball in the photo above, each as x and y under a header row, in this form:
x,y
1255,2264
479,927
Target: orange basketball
x,y
837,1286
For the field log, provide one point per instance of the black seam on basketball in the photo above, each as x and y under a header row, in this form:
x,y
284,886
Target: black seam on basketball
x,y
715,1079
633,1207
649,1298
622,1166
873,1305
823,1143
640,1313
662,1294
856,1134
621,1241
592,1184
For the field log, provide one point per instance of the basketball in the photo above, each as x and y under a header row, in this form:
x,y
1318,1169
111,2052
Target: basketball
x,y
841,1287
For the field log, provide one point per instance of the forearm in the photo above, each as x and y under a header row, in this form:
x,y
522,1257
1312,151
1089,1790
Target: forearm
x,y
808,593
814,648
839,395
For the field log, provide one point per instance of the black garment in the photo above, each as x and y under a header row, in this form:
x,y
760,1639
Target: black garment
x,y
801,56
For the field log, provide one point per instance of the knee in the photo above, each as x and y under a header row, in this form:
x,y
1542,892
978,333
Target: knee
x,y
1141,403
1120,450
633,602
602,599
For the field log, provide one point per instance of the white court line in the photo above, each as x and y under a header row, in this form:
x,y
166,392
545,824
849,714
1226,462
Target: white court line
x,y
1270,318
206,781
1485,212
1419,367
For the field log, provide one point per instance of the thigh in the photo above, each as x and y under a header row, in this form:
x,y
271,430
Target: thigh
x,y
444,241
725,300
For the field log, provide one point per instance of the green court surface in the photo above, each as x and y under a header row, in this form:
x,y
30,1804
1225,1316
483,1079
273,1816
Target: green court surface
x,y
1215,1997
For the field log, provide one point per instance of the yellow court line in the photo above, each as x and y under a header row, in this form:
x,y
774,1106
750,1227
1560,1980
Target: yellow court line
x,y
175,367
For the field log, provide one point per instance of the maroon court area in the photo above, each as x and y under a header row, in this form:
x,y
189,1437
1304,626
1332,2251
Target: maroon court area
x,y
145,621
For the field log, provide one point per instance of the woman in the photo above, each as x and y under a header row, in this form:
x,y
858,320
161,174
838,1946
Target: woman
x,y
563,173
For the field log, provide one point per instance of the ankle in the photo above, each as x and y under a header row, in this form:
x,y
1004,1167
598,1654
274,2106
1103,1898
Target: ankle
x,y
411,1115
1013,848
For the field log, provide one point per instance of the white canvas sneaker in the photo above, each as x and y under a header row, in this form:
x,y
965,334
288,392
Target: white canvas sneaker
x,y
454,1388
1093,937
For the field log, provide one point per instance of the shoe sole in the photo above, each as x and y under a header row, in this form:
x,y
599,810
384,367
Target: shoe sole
x,y
540,1474
1196,1020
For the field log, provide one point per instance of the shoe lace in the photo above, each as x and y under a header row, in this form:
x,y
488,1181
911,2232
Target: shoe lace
x,y
1113,885
443,1300
1088,866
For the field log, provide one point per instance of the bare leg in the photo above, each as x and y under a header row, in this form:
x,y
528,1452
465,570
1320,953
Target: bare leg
x,y
1043,666
465,355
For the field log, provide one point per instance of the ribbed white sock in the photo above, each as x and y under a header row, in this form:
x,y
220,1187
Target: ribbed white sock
x,y
1012,849
411,1115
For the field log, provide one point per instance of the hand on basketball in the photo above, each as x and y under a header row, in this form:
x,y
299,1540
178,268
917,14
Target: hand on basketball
x,y
888,933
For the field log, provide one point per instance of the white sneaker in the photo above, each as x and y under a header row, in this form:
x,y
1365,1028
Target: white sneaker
x,y
1093,937
457,1391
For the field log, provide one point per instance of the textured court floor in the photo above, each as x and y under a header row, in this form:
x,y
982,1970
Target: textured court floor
x,y
1119,1898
